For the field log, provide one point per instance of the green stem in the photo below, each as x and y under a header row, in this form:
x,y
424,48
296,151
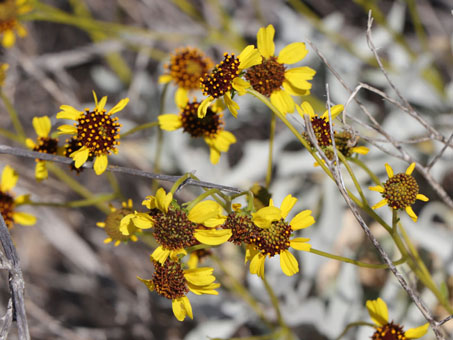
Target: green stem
x,y
139,128
271,148
426,276
10,135
77,204
207,193
238,288
13,116
76,186
275,302
354,179
370,173
357,263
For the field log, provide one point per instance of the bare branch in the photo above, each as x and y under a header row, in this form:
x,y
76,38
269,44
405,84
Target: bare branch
x,y
113,168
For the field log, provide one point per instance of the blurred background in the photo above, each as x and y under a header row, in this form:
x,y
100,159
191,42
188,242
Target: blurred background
x,y
77,287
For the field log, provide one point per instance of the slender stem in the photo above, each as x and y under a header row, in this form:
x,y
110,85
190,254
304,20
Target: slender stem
x,y
13,116
77,204
139,128
238,288
354,179
370,173
10,135
271,148
207,193
355,262
275,302
76,186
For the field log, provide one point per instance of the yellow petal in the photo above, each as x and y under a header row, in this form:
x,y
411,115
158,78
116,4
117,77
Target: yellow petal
x,y
160,254
101,104
165,78
264,217
223,140
307,109
288,263
287,205
24,218
22,199
214,155
148,283
80,156
29,143
169,122
362,150
231,104
380,204
100,164
182,308
422,197
204,210
334,112
21,31
282,101
415,333
124,224
42,126
67,130
257,265
377,188
142,220
294,91
208,289
240,85
302,220
299,76
411,213
163,200
300,243
265,41
212,237
389,170
249,57
200,276
181,97
410,169
203,108
8,39
118,107
41,171
292,53
9,178
378,311
68,112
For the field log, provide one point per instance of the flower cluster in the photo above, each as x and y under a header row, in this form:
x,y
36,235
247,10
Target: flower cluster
x,y
10,11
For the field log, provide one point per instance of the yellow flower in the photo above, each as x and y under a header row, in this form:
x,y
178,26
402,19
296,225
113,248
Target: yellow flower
x,y
187,65
400,191
111,225
274,236
44,144
390,331
8,203
3,68
272,79
174,229
226,77
210,127
173,282
10,10
96,131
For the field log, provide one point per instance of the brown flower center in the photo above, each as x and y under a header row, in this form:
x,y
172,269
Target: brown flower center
x,y
321,128
220,80
242,228
400,191
46,145
173,230
208,126
98,131
169,280
389,331
273,240
7,207
267,76
186,67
